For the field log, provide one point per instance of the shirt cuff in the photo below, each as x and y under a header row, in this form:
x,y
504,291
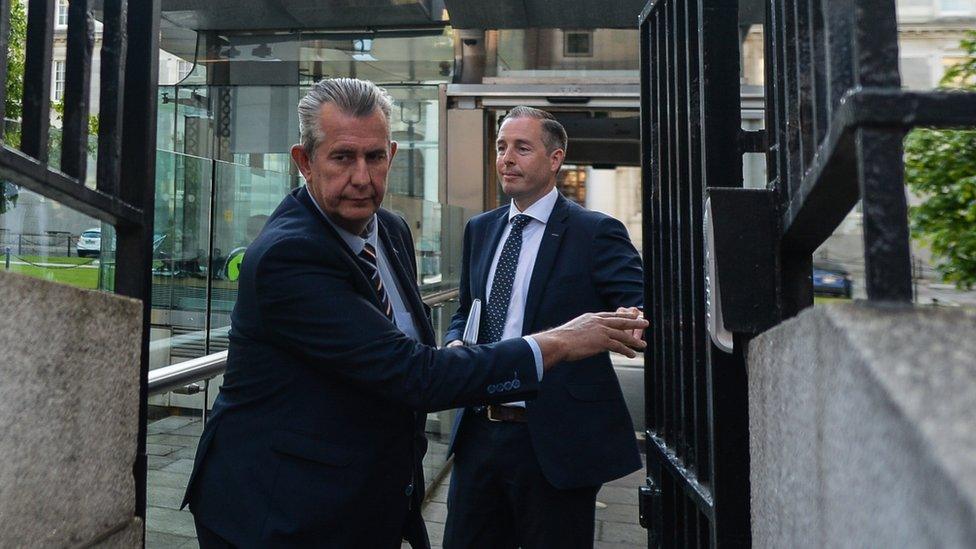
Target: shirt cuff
x,y
537,353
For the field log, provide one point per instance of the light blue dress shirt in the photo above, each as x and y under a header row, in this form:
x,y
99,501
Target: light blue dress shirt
x,y
401,312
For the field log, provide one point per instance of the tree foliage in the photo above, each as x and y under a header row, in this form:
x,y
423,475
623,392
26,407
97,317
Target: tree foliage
x,y
940,166
16,55
15,61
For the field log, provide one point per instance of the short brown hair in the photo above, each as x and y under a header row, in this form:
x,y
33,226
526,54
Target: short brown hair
x,y
553,133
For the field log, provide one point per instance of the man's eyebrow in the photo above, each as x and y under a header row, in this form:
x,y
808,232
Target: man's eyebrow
x,y
501,141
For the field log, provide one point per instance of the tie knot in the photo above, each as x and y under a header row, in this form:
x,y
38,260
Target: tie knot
x,y
368,253
520,221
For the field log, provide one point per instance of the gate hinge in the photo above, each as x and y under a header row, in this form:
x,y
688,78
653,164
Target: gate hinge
x,y
648,503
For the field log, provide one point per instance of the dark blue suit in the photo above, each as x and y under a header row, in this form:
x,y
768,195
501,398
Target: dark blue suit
x,y
316,438
579,428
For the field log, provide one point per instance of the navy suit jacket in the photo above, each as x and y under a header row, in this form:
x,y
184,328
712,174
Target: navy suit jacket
x,y
580,428
316,438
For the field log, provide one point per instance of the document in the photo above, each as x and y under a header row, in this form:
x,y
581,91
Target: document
x,y
470,335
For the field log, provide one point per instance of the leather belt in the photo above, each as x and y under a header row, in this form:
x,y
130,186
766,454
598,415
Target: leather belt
x,y
511,414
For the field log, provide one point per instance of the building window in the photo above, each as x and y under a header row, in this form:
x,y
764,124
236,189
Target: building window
x,y
956,7
578,44
58,80
62,13
183,68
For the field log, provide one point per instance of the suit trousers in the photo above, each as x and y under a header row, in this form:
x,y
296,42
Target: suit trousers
x,y
499,498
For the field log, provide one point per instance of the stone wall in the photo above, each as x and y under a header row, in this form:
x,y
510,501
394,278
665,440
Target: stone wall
x,y
69,395
863,428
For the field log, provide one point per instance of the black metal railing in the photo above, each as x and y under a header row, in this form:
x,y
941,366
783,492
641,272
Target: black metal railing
x,y
835,118
124,191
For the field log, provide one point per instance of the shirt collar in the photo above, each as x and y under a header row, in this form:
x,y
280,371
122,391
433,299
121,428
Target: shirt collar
x,y
354,241
540,211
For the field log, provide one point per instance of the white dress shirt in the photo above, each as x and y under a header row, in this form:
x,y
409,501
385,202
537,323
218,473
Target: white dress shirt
x,y
531,239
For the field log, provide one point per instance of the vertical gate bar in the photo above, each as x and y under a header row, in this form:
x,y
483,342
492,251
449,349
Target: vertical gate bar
x,y
804,76
875,38
726,380
687,238
838,24
667,432
658,152
774,111
695,266
674,358
887,254
4,61
695,207
111,82
794,161
36,116
728,390
678,189
77,83
647,199
138,171
818,66
655,153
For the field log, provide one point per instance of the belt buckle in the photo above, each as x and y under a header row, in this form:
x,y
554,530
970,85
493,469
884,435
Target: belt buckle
x,y
490,416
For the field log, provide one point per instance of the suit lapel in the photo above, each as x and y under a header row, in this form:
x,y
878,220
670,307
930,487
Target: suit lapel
x,y
355,269
493,236
406,281
548,248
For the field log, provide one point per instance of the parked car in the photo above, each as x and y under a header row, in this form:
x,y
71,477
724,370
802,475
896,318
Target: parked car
x,y
90,243
832,281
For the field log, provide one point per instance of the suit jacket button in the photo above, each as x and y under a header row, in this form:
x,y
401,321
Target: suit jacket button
x,y
409,490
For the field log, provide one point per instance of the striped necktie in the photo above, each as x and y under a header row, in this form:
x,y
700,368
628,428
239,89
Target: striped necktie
x,y
368,255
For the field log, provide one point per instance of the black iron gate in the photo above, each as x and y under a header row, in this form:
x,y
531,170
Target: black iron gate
x,y
835,118
125,183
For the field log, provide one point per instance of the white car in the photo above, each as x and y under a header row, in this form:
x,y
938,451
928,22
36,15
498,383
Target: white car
x,y
90,242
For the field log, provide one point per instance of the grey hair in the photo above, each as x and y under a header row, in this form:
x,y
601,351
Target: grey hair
x,y
553,133
352,96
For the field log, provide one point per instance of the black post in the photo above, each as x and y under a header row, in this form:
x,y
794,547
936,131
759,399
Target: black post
x,y
7,261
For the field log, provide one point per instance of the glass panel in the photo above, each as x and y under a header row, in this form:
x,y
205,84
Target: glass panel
x,y
415,125
418,57
42,238
180,260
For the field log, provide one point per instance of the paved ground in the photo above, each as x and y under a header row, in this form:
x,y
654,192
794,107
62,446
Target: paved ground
x,y
617,525
172,442
171,445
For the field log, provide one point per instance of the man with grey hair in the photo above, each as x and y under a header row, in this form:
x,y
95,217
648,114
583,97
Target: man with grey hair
x,y
316,438
526,474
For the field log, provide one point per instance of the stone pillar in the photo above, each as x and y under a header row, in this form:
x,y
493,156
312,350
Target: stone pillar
x,y
69,415
861,428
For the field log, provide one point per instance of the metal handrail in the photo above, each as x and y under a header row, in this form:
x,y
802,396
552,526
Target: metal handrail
x,y
179,375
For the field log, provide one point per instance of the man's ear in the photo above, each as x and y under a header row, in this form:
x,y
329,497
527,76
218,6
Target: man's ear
x,y
301,159
556,159
393,150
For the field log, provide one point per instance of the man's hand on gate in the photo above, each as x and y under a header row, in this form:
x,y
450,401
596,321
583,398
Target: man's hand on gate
x,y
638,333
590,334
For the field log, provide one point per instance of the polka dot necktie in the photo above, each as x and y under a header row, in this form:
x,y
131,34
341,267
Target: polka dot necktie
x,y
493,321
368,255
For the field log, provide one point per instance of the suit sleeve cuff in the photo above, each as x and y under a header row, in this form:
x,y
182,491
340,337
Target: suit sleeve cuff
x,y
537,353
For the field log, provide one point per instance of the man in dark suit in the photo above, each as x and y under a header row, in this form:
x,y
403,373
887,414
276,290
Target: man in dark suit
x,y
316,438
527,473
